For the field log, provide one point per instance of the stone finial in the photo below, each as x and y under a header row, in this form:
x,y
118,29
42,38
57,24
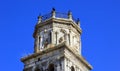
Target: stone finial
x,y
69,15
39,19
78,22
53,9
69,12
53,12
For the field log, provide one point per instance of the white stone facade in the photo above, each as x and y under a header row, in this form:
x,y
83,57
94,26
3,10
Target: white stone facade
x,y
56,33
57,46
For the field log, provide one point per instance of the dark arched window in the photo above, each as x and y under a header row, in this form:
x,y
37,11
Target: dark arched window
x,y
72,68
50,36
51,67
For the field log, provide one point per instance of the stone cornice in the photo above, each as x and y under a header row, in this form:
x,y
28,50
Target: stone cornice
x,y
62,45
79,57
50,49
57,20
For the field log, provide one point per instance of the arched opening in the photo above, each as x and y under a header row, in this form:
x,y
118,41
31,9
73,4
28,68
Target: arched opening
x,y
51,67
50,37
72,68
39,42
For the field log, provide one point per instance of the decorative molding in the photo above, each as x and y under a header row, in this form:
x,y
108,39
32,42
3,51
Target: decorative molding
x,y
62,45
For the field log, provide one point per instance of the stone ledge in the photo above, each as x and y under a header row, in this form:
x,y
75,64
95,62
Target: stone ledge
x,y
43,52
62,45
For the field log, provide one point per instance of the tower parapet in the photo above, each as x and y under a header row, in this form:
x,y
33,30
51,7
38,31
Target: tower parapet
x,y
57,15
55,28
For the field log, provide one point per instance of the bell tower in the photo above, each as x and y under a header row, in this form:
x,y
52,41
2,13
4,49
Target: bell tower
x,y
57,44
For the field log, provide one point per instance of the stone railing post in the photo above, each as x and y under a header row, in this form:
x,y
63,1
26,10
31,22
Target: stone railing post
x,y
53,13
70,15
78,22
39,19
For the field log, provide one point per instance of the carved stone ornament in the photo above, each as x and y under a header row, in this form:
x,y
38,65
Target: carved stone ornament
x,y
61,39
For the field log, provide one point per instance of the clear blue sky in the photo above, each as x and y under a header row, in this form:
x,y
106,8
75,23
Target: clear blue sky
x,y
100,22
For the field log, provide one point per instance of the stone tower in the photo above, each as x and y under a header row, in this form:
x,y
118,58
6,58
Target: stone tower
x,y
57,45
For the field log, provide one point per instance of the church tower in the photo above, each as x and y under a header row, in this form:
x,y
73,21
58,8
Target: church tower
x,y
57,45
